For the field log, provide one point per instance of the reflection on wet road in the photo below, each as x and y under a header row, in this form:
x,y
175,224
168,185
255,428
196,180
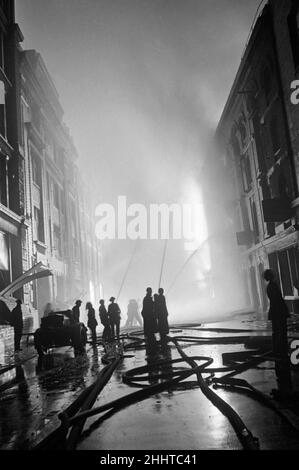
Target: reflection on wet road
x,y
42,391
174,419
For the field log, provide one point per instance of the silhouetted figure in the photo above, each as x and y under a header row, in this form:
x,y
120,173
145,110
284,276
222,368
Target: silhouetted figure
x,y
104,317
133,313
278,314
76,311
149,319
17,323
5,314
114,316
92,322
161,313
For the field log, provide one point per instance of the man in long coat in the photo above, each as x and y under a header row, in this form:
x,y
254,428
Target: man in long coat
x,y
161,313
76,311
17,323
149,319
114,315
278,314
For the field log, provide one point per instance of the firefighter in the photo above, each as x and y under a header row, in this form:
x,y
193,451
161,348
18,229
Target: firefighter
x,y
104,317
161,313
278,314
149,319
114,316
92,322
76,311
17,323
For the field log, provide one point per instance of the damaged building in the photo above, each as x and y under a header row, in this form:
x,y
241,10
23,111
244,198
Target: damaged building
x,y
257,159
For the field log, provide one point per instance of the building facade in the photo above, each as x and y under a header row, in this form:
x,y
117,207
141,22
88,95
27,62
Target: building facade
x,y
57,209
257,158
12,226
46,210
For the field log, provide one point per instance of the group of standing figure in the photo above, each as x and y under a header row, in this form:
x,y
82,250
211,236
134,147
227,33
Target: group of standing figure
x,y
110,319
155,316
154,313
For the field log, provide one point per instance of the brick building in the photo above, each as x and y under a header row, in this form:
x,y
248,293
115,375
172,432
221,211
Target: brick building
x,y
257,159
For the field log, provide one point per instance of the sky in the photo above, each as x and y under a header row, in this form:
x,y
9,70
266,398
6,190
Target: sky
x,y
143,84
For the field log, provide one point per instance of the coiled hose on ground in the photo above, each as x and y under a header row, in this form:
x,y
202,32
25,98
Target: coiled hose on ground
x,y
74,418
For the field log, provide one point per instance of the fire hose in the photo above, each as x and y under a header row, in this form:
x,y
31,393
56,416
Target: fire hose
x,y
75,416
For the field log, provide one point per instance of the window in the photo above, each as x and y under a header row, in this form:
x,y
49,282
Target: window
x,y
4,261
26,119
293,24
36,170
255,224
57,240
50,148
285,273
235,143
243,132
38,228
2,110
36,117
285,266
293,254
3,181
246,173
48,187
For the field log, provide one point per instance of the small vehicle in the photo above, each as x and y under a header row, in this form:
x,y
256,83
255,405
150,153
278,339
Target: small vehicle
x,y
58,330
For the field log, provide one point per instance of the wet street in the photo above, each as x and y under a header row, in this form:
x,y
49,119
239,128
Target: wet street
x,y
34,392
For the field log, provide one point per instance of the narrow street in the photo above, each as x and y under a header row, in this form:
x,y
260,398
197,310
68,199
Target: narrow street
x,y
181,417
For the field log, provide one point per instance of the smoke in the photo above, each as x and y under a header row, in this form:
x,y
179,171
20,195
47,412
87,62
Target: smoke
x,y
143,83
